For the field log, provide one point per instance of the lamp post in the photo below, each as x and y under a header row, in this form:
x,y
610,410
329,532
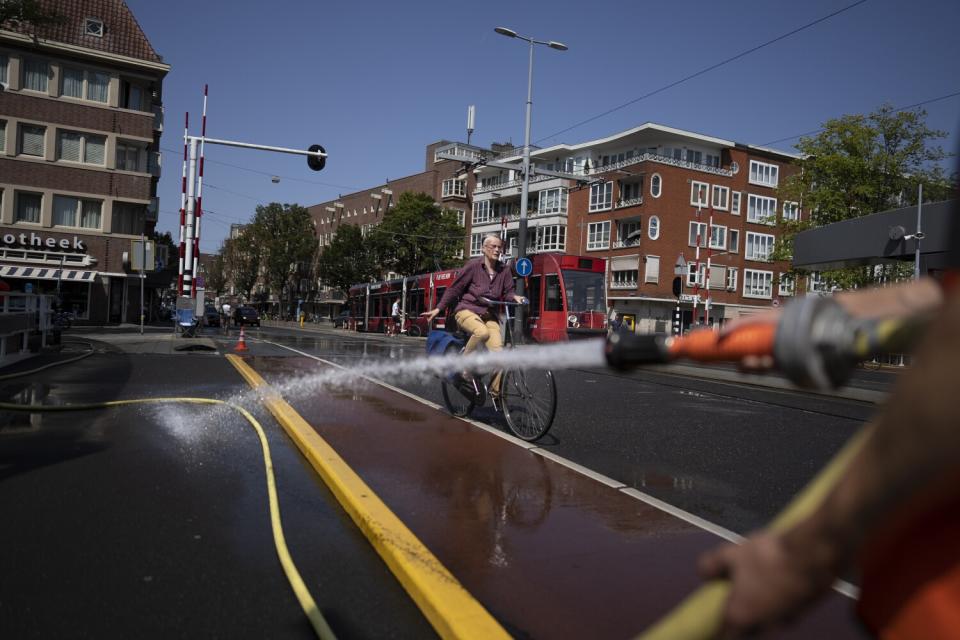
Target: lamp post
x,y
525,190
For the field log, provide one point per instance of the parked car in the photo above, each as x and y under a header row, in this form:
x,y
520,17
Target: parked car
x,y
211,317
246,316
341,320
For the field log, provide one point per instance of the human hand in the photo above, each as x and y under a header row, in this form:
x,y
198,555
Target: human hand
x,y
430,315
771,581
521,299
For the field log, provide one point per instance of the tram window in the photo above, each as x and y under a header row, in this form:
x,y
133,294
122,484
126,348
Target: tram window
x,y
533,292
414,302
553,301
439,293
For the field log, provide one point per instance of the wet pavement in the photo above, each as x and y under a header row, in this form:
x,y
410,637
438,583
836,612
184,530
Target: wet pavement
x,y
550,552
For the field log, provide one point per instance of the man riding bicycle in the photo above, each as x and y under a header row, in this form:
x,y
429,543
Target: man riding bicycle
x,y
483,278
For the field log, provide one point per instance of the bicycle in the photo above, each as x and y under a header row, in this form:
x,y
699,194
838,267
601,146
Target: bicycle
x,y
62,320
528,398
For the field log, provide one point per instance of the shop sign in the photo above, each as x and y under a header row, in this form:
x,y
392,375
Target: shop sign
x,y
34,240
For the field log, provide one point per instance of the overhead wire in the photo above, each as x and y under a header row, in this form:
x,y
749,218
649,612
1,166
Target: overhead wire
x,y
706,69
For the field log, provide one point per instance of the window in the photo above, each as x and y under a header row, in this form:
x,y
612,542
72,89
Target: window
x,y
765,174
733,240
759,246
694,275
32,140
551,238
74,212
71,83
698,231
461,217
93,27
80,83
731,278
757,284
4,65
630,191
3,136
98,85
695,157
454,187
653,227
735,203
132,96
698,193
80,147
712,160
552,301
718,237
816,283
601,196
28,207
128,217
761,209
552,201
36,75
786,286
476,241
481,212
651,272
656,185
721,197
598,235
791,210
624,279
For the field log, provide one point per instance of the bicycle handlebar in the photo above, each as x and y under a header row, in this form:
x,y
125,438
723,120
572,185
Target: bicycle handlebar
x,y
505,303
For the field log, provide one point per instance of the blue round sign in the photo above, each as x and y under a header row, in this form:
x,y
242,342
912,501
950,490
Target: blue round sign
x,y
524,267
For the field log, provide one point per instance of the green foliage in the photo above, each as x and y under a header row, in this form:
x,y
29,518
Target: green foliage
x,y
285,238
347,260
417,236
859,165
216,274
241,261
28,11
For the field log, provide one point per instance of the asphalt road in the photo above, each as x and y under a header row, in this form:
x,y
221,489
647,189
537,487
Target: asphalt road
x,y
732,454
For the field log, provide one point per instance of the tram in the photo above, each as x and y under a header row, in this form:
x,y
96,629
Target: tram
x,y
567,299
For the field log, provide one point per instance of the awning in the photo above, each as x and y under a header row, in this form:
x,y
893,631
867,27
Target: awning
x,y
625,263
48,273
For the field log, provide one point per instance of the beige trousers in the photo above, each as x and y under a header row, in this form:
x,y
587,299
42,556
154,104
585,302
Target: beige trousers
x,y
481,330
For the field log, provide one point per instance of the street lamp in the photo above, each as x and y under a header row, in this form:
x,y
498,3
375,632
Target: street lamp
x,y
525,190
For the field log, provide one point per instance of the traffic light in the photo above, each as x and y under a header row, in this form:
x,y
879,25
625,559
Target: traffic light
x,y
677,286
316,162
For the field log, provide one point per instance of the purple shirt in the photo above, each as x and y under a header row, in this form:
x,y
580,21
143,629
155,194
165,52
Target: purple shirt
x,y
473,282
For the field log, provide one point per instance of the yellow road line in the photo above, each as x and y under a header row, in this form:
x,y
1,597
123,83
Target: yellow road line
x,y
450,608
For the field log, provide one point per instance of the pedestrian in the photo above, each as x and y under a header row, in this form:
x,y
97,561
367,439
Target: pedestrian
x,y
395,316
225,310
894,511
614,322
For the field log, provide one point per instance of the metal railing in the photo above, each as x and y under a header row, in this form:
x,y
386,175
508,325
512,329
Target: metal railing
x,y
631,202
620,244
653,157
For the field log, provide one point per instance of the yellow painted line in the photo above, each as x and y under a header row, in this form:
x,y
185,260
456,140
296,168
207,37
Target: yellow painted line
x,y
450,608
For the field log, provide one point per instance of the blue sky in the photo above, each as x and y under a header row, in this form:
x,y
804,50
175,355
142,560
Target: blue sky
x,y
376,81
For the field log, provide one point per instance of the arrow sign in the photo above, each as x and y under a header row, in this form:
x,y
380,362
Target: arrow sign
x,y
524,267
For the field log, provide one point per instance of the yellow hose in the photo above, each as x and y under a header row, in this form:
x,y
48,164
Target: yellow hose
x,y
300,590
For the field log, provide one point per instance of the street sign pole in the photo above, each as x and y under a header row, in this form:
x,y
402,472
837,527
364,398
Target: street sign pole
x,y
143,260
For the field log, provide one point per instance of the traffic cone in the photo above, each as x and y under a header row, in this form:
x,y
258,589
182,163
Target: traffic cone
x,y
241,343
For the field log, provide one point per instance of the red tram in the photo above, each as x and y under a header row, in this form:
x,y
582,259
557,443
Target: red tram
x,y
567,299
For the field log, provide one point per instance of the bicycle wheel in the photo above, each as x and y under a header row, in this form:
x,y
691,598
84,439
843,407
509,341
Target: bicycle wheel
x,y
529,402
458,403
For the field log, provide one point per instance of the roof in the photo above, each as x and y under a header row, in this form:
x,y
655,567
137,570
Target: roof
x,y
122,34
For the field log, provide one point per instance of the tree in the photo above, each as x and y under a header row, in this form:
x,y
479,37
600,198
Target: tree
x,y
347,260
241,261
28,11
858,165
216,275
417,236
285,235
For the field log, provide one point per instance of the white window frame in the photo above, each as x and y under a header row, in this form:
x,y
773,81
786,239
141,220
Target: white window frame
x,y
718,237
761,209
476,242
624,279
762,288
653,227
735,203
93,27
764,173
551,201
791,210
700,270
552,237
656,185
481,212
724,193
692,233
651,270
786,287
454,188
601,196
733,240
598,235
731,283
758,246
697,189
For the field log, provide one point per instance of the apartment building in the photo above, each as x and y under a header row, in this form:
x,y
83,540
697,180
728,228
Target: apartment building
x,y
80,124
643,199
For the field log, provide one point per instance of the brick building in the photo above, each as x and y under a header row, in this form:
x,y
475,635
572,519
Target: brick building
x,y
80,124
634,199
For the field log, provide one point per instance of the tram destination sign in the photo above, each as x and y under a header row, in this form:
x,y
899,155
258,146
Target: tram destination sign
x,y
36,240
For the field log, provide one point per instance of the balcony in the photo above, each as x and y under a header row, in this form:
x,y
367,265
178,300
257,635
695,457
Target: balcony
x,y
624,284
624,243
511,183
653,157
158,117
632,202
